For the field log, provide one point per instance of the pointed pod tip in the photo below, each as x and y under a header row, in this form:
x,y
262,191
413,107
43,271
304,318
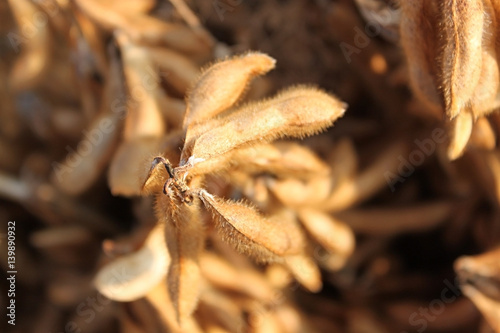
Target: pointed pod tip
x,y
266,62
454,153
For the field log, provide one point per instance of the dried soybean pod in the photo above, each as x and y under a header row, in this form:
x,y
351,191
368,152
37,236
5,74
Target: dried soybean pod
x,y
392,221
102,14
144,116
491,169
216,309
222,85
144,29
283,159
295,193
185,237
297,112
418,21
331,233
145,268
148,30
483,99
343,161
193,22
144,124
83,166
460,132
381,173
181,71
251,233
262,320
127,174
483,136
131,6
461,58
305,271
247,281
124,173
158,297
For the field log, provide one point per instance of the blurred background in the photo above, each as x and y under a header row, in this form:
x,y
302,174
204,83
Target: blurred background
x,y
92,90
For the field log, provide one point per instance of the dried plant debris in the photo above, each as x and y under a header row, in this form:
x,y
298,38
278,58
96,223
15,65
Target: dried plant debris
x,y
452,60
164,177
296,113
